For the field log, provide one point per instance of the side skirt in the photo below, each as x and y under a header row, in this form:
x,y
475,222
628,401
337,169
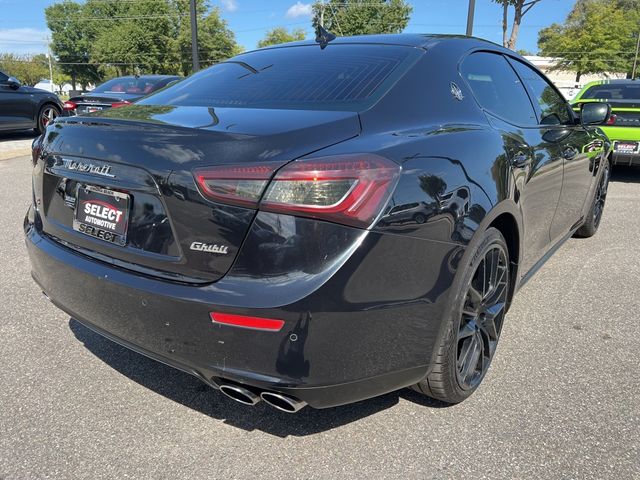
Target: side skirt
x,y
538,265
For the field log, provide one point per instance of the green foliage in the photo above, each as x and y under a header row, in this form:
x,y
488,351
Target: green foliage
x,y
98,39
598,36
70,42
216,41
362,17
281,35
29,69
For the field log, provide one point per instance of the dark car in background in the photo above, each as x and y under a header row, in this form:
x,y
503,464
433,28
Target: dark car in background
x,y
117,92
23,107
275,270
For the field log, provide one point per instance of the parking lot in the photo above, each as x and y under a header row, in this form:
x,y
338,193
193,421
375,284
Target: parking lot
x,y
560,401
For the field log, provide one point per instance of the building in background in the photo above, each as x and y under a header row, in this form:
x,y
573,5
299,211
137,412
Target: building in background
x,y
565,80
45,84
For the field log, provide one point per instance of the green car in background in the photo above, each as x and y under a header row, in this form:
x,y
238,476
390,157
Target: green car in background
x,y
623,128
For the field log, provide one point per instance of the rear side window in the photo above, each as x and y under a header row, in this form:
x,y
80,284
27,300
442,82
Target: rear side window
x,y
614,92
3,77
305,77
497,88
554,108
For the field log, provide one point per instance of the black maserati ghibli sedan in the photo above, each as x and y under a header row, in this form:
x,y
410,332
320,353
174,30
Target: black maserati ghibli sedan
x,y
117,92
23,107
318,224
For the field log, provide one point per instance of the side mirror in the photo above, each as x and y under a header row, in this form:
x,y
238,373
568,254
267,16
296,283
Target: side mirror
x,y
13,82
595,113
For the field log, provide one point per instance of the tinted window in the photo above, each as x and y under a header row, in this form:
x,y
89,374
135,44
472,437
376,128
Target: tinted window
x,y
131,85
3,77
614,92
497,88
340,76
553,106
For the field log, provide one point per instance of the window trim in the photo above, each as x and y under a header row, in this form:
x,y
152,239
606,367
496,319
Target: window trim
x,y
475,97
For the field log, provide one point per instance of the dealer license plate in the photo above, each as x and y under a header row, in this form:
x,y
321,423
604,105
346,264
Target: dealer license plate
x,y
102,214
626,147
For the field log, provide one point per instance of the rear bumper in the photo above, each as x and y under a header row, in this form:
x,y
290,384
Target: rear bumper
x,y
630,159
352,341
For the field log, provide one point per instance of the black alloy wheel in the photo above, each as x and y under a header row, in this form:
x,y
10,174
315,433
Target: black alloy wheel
x,y
482,317
601,195
593,218
469,343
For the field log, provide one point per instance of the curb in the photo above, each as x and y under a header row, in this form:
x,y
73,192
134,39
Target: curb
x,y
15,153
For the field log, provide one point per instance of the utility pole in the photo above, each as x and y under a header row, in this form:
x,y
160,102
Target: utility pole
x,y
635,59
50,66
472,8
194,37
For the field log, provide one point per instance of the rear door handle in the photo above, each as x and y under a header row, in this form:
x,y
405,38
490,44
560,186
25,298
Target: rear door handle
x,y
569,152
520,159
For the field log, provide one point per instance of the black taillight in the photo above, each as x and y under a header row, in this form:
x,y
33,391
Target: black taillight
x,y
349,189
36,149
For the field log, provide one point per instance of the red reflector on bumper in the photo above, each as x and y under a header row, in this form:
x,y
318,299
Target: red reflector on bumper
x,y
255,323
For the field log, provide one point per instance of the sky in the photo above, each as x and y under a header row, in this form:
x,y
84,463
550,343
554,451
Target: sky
x,y
23,28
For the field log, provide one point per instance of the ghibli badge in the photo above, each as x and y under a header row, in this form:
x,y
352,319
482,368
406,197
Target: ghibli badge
x,y
205,247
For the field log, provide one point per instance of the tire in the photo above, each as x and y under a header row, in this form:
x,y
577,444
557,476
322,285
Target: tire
x,y
419,218
474,328
47,114
591,224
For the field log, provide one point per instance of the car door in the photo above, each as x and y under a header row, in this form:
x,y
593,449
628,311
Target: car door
x,y
574,144
536,165
7,117
16,106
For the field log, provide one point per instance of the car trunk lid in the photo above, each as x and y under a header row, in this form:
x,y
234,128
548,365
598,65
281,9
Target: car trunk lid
x,y
135,165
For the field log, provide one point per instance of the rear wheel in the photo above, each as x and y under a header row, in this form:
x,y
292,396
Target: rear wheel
x,y
591,224
48,113
472,334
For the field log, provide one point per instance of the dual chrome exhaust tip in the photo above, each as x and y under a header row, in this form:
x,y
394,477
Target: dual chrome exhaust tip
x,y
282,402
246,396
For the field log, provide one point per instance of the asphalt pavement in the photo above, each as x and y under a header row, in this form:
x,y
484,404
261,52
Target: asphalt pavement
x,y
562,399
13,144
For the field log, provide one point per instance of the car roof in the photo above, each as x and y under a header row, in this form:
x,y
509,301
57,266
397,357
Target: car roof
x,y
422,40
613,81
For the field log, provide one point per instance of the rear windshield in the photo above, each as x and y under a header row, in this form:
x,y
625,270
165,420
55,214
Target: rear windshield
x,y
614,92
131,85
304,77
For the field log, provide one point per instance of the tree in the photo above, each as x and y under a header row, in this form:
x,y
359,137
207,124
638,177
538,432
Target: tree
x,y
520,9
101,38
216,42
587,44
70,42
28,69
281,35
362,17
139,42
